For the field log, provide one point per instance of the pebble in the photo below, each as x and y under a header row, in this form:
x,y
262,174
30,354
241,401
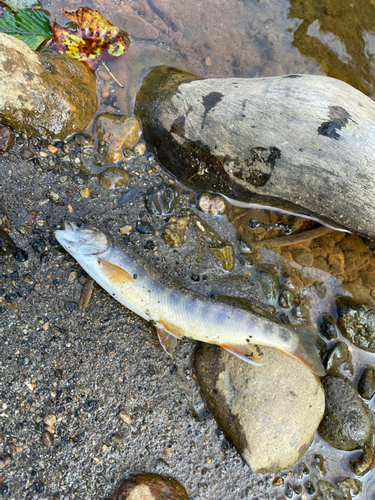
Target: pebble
x,y
84,140
6,138
225,254
125,417
50,419
113,178
7,245
104,75
47,439
162,201
140,149
304,257
357,324
327,327
38,244
174,231
150,487
117,132
337,356
126,229
286,299
144,227
63,178
366,384
212,204
361,465
53,196
72,276
117,439
20,255
85,192
53,149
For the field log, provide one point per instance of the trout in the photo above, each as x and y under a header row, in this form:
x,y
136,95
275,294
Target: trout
x,y
177,312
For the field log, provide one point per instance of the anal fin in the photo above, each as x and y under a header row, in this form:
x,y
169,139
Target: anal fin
x,y
247,352
167,340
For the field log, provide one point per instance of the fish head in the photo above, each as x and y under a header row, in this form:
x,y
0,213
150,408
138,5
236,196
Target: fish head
x,y
81,238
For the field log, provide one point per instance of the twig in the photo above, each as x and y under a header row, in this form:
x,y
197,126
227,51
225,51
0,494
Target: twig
x,y
112,75
294,239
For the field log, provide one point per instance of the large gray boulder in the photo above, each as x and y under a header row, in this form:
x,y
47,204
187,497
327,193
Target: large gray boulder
x,y
270,412
50,96
304,141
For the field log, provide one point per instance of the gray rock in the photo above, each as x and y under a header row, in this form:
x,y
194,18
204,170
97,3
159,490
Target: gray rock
x,y
221,135
150,487
269,281
347,423
5,460
337,356
50,96
357,324
366,384
270,413
327,327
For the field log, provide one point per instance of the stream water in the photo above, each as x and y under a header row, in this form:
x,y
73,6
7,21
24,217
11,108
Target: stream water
x,y
253,38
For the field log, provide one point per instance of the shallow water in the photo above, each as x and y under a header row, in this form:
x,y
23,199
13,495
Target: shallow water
x,y
253,39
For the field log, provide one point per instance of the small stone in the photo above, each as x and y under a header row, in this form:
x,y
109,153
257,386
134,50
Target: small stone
x,y
357,324
118,132
43,154
304,257
113,178
361,465
144,227
84,140
279,481
5,460
286,299
38,244
125,417
212,204
149,245
225,254
72,276
104,75
51,428
327,327
47,439
117,439
174,231
207,61
81,179
366,384
327,490
63,178
85,192
71,306
209,460
6,138
150,487
269,281
249,492
50,419
347,423
140,149
162,201
337,356
53,196
53,149
126,229
7,245
348,487
20,255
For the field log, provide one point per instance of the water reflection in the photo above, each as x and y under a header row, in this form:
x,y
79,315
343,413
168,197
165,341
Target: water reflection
x,y
339,35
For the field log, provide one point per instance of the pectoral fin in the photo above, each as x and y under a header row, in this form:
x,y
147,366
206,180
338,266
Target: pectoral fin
x,y
248,352
115,273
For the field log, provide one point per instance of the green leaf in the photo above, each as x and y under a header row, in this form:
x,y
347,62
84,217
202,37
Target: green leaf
x,y
30,26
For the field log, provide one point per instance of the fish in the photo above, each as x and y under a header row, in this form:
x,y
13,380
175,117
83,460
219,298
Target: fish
x,y
177,312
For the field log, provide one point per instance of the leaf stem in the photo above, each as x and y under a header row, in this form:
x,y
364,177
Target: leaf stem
x,y
112,75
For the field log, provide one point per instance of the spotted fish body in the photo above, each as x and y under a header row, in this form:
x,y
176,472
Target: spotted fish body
x,y
178,312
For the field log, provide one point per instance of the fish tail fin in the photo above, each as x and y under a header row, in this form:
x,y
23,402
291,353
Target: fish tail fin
x,y
307,351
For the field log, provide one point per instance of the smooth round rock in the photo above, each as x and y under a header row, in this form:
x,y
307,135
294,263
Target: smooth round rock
x,y
357,324
366,384
49,96
113,178
117,132
347,423
270,412
150,487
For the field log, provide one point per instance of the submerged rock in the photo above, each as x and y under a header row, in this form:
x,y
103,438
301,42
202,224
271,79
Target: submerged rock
x,y
212,204
337,356
225,254
50,96
327,327
113,178
361,465
221,135
357,324
115,133
7,245
174,231
347,423
150,487
270,413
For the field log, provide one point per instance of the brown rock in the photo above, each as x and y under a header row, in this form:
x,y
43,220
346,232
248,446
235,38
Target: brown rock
x,y
304,257
6,138
113,178
212,204
225,254
47,439
117,132
50,96
150,487
174,231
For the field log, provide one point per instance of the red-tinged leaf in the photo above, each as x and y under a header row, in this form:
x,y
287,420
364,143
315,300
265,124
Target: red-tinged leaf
x,y
95,39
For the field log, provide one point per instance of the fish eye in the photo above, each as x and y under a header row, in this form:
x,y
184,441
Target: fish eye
x,y
80,224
